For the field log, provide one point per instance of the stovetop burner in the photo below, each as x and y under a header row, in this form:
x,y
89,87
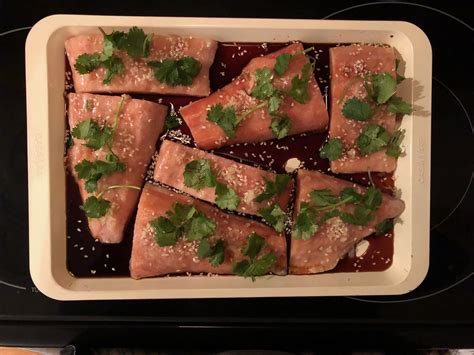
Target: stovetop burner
x,y
452,197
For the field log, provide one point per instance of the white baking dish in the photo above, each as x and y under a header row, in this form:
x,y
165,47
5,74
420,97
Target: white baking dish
x,y
45,80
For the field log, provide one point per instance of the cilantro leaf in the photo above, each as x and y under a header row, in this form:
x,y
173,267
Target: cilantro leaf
x,y
182,220
350,195
280,126
112,41
372,198
397,105
357,109
299,85
384,227
274,103
323,198
176,72
226,198
166,233
199,227
136,43
384,87
274,188
275,216
281,64
91,172
224,117
172,121
113,66
94,135
198,174
332,150
89,105
95,207
215,253
86,63
69,141
361,216
261,266
263,88
372,139
305,225
330,214
254,245
254,267
393,147
400,77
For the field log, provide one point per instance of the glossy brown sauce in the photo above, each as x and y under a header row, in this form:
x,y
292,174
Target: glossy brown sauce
x,y
89,258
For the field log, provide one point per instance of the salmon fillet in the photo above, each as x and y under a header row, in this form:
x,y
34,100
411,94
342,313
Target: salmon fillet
x,y
149,259
334,238
347,63
138,77
139,125
247,181
310,116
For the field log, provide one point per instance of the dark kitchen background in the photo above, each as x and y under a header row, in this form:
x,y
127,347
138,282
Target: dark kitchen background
x,y
440,313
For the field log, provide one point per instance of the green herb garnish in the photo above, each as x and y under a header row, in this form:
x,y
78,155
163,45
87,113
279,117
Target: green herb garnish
x,y
226,198
182,220
226,118
372,139
283,60
91,172
198,174
215,253
400,77
357,109
86,63
275,216
94,135
393,147
96,206
299,85
172,121
332,150
280,126
176,72
274,188
325,204
397,105
253,267
384,227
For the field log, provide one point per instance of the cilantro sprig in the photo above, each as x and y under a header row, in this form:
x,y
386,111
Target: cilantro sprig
x,y
324,204
198,174
357,109
283,60
215,253
182,221
332,149
97,206
172,121
176,72
254,266
135,42
275,216
274,188
374,138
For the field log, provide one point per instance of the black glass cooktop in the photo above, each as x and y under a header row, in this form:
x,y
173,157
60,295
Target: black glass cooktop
x,y
438,313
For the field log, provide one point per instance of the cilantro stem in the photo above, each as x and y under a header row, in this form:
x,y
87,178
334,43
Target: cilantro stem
x,y
342,202
117,113
112,187
244,115
305,51
370,177
103,32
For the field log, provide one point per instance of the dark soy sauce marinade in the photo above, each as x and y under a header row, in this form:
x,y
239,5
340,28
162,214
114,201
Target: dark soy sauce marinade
x,y
89,258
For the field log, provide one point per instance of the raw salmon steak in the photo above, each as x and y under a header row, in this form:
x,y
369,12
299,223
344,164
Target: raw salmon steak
x,y
334,238
139,124
348,64
138,76
309,116
247,181
150,259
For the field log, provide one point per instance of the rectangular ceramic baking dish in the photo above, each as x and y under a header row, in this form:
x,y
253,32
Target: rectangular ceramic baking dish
x,y
45,81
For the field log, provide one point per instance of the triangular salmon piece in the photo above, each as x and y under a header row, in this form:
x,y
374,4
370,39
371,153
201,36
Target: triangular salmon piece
x,y
309,116
139,124
334,238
